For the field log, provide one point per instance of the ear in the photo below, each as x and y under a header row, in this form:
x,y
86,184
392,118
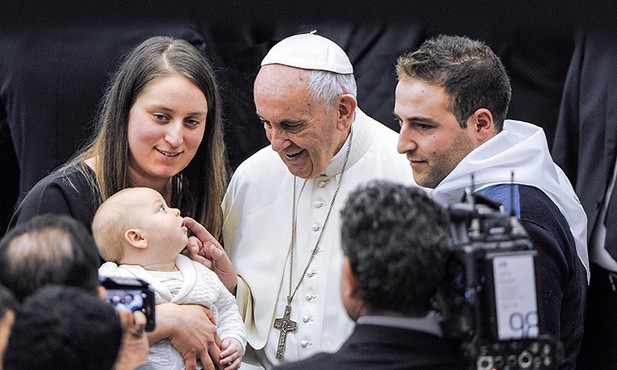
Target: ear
x,y
351,292
346,108
351,282
135,238
101,292
481,125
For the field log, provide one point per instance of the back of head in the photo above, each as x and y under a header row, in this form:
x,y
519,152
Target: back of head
x,y
469,71
64,327
48,249
396,239
329,68
111,220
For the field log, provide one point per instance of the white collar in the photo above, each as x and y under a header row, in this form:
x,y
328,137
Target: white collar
x,y
521,147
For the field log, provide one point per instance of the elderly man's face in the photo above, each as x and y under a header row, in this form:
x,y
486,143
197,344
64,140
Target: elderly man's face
x,y
302,131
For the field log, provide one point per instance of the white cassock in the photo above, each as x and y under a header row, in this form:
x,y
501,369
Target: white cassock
x,y
257,232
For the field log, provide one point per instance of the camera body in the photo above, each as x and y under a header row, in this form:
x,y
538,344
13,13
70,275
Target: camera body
x,y
490,303
132,294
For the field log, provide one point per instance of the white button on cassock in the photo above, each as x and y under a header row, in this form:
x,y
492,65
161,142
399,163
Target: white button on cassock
x,y
305,343
316,227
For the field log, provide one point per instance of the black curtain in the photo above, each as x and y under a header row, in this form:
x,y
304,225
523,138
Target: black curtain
x,y
57,57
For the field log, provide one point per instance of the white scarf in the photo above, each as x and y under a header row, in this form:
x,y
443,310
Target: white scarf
x,y
520,148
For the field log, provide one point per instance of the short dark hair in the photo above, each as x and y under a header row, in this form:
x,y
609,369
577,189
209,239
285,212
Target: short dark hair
x,y
48,249
64,327
396,239
469,71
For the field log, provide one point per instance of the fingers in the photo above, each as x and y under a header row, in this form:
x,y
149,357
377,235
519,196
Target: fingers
x,y
213,352
191,363
194,245
204,237
206,362
134,350
132,322
139,320
233,366
231,356
230,361
199,231
194,335
196,252
224,269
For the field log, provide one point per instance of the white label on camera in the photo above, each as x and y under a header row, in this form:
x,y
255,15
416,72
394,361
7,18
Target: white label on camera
x,y
515,296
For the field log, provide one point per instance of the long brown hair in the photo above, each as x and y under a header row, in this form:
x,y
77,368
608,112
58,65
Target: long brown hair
x,y
198,189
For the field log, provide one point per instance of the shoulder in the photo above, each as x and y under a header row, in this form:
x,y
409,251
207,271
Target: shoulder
x,y
67,191
262,170
529,202
379,129
546,226
71,180
263,157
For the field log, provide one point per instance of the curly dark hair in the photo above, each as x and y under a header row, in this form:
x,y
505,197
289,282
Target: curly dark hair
x,y
396,239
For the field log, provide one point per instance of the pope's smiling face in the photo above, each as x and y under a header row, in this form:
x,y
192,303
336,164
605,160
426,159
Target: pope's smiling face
x,y
305,133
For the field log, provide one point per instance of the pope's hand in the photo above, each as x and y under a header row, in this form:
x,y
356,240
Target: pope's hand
x,y
204,248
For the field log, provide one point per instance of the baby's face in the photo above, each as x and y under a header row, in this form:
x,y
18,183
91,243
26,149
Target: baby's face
x,y
163,226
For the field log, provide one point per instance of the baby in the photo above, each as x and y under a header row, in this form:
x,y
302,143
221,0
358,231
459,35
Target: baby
x,y
140,236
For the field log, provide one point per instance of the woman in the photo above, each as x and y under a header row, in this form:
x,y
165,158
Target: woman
x,y
159,126
161,111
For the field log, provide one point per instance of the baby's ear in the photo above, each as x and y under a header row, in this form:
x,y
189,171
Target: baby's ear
x,y
135,238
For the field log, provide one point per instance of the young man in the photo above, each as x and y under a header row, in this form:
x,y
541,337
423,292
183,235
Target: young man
x,y
451,101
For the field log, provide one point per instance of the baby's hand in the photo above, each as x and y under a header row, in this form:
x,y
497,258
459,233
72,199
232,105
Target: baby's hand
x,y
231,354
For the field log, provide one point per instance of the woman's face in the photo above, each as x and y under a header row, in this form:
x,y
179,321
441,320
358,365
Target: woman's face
x,y
166,126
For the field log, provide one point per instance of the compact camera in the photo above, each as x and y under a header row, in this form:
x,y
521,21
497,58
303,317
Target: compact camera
x,y
131,294
490,303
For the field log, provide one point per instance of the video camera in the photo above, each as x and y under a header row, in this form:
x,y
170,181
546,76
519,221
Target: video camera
x,y
490,301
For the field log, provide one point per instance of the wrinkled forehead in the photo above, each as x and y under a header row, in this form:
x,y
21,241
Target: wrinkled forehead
x,y
277,78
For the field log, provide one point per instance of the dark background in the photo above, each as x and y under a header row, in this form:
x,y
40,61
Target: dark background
x,y
56,58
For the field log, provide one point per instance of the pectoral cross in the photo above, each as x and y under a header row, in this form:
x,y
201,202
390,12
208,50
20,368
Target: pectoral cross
x,y
285,325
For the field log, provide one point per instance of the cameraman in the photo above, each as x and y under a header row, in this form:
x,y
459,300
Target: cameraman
x,y
395,241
